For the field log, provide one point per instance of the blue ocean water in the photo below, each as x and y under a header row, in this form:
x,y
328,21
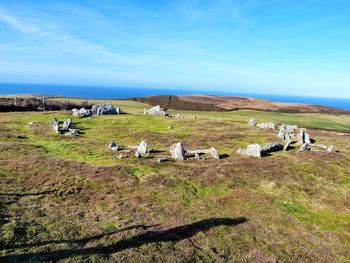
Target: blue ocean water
x,y
128,92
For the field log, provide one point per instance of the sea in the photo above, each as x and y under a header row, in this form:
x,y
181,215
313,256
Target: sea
x,y
96,92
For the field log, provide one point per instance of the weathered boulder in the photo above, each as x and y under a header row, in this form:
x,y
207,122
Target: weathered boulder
x,y
103,109
252,122
177,151
272,147
142,148
253,150
156,110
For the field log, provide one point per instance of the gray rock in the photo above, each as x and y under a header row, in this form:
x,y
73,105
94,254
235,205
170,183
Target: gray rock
x,y
103,109
214,153
252,122
303,137
272,147
142,148
267,125
162,159
177,151
81,113
67,124
113,146
304,147
286,145
157,110
137,154
196,156
330,148
253,150
72,132
56,126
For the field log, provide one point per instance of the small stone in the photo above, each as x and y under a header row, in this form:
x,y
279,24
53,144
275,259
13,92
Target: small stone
x,y
197,156
72,132
252,122
214,153
30,123
162,159
170,127
330,148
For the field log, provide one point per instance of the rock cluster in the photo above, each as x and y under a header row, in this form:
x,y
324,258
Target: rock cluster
x,y
81,113
103,109
285,133
66,128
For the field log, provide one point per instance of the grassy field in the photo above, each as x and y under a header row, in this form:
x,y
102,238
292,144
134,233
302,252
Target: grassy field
x,y
66,199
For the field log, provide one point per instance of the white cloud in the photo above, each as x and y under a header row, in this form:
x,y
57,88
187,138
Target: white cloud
x,y
17,24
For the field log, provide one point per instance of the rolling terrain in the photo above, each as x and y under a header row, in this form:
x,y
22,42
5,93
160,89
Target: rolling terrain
x,y
66,199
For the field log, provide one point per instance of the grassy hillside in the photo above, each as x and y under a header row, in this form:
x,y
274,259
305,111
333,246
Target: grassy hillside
x,y
66,199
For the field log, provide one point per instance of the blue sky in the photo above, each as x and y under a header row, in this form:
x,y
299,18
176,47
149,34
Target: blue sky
x,y
257,46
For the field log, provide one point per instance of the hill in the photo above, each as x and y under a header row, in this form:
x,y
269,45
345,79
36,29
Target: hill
x,y
229,103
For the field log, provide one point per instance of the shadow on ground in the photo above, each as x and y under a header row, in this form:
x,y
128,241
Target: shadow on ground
x,y
175,234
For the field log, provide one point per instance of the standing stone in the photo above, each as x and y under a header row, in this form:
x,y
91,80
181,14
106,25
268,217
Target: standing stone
x,y
56,126
303,137
177,151
214,153
252,122
145,111
142,148
67,124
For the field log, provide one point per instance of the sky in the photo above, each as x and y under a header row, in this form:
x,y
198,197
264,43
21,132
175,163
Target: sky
x,y
258,46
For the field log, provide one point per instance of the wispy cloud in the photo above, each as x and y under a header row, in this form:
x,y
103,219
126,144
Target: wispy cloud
x,y
17,24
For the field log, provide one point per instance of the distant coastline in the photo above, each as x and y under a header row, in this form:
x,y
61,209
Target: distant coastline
x,y
127,92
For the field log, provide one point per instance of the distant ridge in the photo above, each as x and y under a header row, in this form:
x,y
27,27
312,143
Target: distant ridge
x,y
201,102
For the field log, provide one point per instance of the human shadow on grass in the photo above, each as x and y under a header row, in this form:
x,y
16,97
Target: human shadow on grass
x,y
175,234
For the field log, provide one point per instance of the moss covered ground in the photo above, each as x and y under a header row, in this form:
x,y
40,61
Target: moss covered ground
x,y
66,199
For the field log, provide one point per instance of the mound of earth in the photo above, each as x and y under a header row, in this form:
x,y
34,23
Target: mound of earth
x,y
229,103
